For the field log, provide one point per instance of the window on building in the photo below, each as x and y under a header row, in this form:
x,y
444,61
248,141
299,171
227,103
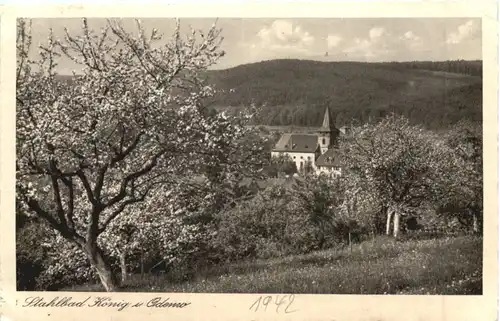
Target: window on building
x,y
301,157
293,157
324,141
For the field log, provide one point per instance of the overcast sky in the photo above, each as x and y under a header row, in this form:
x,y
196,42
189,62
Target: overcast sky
x,y
363,39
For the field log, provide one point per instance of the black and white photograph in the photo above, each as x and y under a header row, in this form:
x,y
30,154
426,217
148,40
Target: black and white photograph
x,y
250,155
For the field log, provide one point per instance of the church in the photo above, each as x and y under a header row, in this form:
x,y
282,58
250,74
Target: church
x,y
312,152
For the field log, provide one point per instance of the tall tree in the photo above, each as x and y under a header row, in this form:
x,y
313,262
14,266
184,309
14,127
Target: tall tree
x,y
465,196
403,165
91,147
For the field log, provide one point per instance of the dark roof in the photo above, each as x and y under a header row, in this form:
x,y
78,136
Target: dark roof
x,y
345,129
329,158
247,182
297,143
283,141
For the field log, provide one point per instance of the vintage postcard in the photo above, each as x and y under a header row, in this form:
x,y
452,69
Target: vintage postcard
x,y
249,162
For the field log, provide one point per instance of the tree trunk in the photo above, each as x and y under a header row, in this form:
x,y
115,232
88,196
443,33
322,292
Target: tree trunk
x,y
123,266
350,242
388,224
397,216
475,223
321,242
142,263
96,258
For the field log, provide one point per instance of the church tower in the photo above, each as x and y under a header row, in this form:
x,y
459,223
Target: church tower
x,y
327,133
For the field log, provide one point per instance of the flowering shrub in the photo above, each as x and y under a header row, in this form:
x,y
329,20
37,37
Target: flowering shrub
x,y
287,217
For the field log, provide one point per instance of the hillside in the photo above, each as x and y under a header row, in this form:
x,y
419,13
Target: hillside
x,y
297,91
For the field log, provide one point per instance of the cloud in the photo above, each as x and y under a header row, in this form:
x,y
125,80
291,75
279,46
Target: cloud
x,y
283,35
381,44
376,33
373,46
409,35
280,39
464,32
333,41
360,45
411,40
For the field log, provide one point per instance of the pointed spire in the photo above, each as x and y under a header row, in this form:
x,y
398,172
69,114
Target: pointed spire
x,y
327,124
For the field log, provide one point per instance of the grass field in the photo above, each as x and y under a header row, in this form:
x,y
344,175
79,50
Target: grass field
x,y
380,266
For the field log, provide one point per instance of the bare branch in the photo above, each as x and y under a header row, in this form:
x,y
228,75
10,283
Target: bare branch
x,y
71,207
58,201
120,209
129,178
83,178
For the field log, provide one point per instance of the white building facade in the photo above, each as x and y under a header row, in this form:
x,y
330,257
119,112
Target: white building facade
x,y
315,152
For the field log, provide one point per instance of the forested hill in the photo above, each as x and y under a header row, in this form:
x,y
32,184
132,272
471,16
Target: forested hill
x,y
296,92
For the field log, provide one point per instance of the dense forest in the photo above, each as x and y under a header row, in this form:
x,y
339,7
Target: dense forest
x,y
436,94
466,67
296,92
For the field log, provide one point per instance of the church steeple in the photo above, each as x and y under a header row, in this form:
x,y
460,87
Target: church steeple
x,y
327,133
327,123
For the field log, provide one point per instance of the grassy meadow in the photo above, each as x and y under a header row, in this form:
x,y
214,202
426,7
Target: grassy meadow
x,y
448,265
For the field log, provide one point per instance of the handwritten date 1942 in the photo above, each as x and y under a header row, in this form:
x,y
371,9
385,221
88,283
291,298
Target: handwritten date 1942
x,y
279,301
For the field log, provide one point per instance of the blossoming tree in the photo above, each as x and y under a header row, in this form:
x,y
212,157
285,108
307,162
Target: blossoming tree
x,y
132,121
397,166
464,198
